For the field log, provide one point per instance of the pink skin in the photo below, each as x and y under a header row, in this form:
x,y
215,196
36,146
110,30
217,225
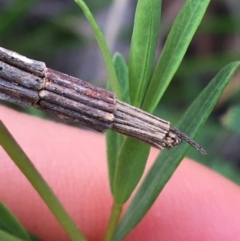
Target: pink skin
x,y
196,204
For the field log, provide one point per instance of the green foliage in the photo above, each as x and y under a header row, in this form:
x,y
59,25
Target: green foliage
x,y
231,119
22,161
114,142
8,237
114,139
168,161
121,69
112,77
138,83
143,48
130,166
9,18
10,224
11,229
174,49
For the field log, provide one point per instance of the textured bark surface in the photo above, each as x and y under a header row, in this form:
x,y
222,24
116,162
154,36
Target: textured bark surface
x,y
28,82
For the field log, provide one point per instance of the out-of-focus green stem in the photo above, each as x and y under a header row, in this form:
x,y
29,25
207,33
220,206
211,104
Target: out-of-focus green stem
x,y
113,221
27,168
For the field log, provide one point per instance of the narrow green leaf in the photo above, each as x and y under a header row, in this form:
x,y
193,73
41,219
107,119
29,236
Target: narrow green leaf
x,y
10,224
143,47
114,139
168,161
130,166
22,161
231,119
175,47
112,77
121,69
114,143
4,236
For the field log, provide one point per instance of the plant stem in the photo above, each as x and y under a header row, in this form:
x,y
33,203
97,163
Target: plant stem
x,y
15,152
113,221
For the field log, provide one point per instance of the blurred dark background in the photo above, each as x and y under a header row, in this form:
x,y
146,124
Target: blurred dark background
x,y
56,32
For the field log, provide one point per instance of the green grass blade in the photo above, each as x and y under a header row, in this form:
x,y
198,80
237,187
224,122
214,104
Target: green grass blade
x,y
4,236
25,165
130,166
9,223
173,52
168,161
112,77
143,47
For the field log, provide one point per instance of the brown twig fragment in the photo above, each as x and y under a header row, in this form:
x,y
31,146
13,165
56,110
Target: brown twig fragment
x,y
28,82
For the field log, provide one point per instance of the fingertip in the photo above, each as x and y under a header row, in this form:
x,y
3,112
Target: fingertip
x,y
196,204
